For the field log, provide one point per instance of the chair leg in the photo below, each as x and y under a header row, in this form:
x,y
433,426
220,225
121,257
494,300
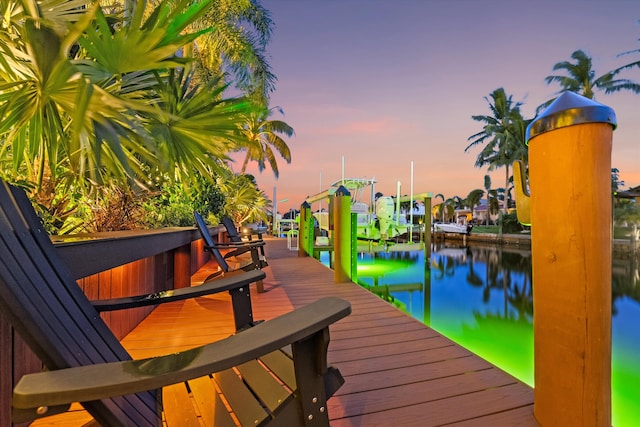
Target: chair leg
x,y
260,286
242,310
310,365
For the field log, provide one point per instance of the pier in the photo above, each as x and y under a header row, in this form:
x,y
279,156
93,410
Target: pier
x,y
398,371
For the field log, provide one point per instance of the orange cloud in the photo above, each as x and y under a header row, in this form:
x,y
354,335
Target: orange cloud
x,y
381,125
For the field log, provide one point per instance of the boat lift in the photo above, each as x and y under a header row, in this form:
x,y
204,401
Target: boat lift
x,y
342,224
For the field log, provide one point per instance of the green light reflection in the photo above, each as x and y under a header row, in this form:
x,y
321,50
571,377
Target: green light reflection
x,y
481,297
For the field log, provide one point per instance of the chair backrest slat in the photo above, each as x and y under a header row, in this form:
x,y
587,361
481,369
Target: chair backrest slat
x,y
232,231
51,312
46,278
208,242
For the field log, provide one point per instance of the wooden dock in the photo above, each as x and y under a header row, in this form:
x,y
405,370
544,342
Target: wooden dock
x,y
398,371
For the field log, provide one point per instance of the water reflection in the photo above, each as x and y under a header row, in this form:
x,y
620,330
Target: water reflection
x,y
625,281
482,298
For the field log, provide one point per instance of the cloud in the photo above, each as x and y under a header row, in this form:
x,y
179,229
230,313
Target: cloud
x,y
384,125
380,127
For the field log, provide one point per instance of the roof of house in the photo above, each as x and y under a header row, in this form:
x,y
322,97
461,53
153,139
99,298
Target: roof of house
x,y
630,193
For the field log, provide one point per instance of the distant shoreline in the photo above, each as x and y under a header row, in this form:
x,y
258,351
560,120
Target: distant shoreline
x,y
620,246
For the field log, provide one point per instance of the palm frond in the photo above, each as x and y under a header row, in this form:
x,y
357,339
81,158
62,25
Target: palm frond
x,y
148,45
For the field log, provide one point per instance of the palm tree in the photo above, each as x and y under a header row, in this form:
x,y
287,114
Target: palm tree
x,y
237,48
504,133
458,202
473,198
261,139
441,206
245,202
448,208
493,203
487,187
581,77
199,127
633,64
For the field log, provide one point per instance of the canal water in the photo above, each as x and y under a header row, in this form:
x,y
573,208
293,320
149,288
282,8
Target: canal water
x,y
481,297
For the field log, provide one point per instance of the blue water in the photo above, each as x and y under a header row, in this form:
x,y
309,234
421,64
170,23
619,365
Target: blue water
x,y
481,297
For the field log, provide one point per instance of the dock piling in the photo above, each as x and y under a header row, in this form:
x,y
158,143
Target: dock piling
x,y
570,178
342,235
305,232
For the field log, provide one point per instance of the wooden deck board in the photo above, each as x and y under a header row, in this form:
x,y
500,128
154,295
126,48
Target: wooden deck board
x,y
412,394
461,409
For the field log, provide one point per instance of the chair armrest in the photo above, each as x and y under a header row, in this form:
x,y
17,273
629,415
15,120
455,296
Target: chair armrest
x,y
226,283
250,233
256,247
238,245
86,383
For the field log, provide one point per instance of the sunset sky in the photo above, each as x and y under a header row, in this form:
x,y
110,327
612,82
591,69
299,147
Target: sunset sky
x,y
385,83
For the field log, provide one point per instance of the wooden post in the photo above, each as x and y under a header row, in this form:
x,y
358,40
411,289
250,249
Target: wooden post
x,y
354,248
303,232
570,180
342,235
427,226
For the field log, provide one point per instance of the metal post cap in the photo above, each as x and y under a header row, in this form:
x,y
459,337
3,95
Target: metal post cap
x,y
567,110
342,191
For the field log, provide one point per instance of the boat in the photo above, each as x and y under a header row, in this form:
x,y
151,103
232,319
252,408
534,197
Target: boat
x,y
450,227
377,220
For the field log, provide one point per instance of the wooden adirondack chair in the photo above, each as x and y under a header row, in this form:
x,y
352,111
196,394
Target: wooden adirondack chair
x,y
234,234
87,364
241,255
236,237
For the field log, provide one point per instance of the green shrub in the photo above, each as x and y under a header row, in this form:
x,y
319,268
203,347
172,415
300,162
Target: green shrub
x,y
174,205
510,223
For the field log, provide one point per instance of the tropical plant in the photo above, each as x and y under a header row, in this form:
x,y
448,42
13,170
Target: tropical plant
x,y
474,198
88,99
245,202
493,203
487,187
440,209
407,206
458,202
581,78
626,212
446,209
616,183
237,49
510,223
631,65
113,209
504,134
73,116
262,139
193,129
174,205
